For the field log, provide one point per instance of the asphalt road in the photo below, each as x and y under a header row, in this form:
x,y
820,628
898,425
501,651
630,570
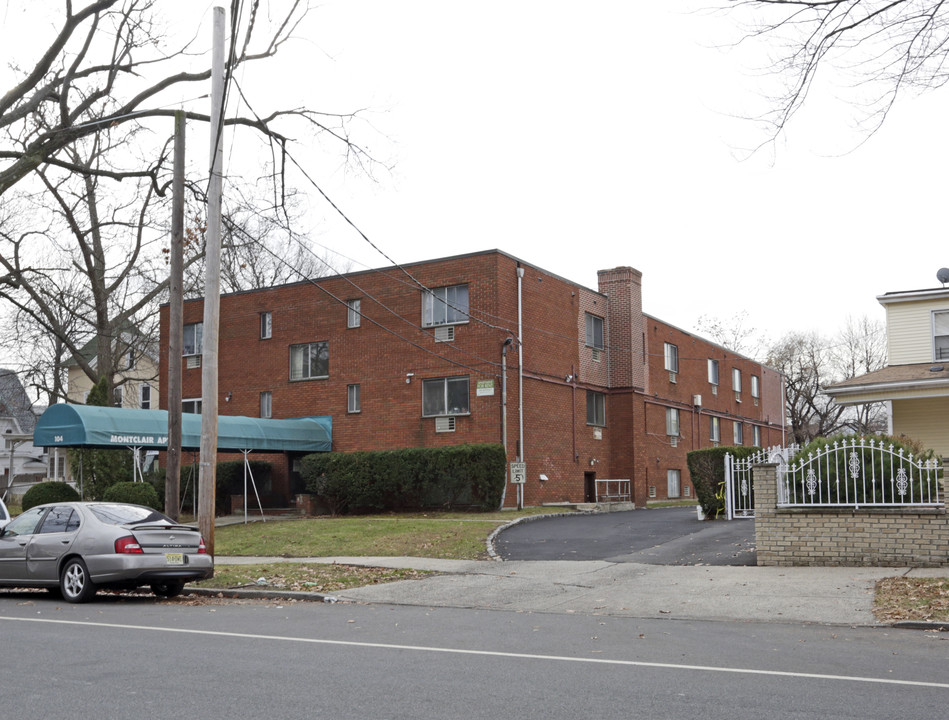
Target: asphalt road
x,y
139,657
654,536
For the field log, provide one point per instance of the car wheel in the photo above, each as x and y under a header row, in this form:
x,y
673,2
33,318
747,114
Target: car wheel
x,y
74,582
168,589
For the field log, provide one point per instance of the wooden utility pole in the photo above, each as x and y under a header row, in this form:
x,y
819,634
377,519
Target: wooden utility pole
x,y
175,315
207,475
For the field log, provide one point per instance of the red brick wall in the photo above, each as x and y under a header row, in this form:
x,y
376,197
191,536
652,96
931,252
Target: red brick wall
x,y
390,348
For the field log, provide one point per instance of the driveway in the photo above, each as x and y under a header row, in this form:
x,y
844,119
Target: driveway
x,y
657,536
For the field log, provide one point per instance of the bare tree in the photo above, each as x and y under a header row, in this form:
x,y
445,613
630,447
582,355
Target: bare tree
x,y
860,348
882,47
734,333
84,170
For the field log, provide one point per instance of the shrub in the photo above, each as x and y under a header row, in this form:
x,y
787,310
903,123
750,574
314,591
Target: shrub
x,y
47,492
707,470
457,476
136,493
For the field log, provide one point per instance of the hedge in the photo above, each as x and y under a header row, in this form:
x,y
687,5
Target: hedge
x,y
136,493
707,470
417,478
47,492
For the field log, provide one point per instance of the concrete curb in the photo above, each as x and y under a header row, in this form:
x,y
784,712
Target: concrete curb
x,y
921,625
248,594
492,553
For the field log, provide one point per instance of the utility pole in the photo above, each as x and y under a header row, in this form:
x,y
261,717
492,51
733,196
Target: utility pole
x,y
207,474
175,319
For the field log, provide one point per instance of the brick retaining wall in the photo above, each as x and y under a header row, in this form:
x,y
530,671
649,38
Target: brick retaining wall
x,y
916,537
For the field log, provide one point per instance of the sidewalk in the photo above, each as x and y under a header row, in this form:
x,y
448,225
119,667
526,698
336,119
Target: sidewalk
x,y
841,596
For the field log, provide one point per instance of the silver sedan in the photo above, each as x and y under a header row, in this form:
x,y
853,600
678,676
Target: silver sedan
x,y
78,547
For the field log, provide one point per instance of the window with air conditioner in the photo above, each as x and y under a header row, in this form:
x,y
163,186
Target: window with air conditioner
x,y
309,361
191,339
596,408
713,372
755,388
594,331
671,353
445,396
445,306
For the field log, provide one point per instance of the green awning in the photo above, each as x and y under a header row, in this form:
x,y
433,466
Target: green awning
x,y
92,426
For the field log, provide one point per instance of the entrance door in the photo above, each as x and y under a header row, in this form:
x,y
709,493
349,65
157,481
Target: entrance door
x,y
589,487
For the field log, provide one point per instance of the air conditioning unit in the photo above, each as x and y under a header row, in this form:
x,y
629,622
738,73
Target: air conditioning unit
x,y
596,354
687,491
672,377
194,361
756,402
737,397
652,491
697,400
445,334
714,389
444,424
674,440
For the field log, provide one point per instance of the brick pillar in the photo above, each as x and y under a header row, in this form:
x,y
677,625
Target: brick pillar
x,y
764,479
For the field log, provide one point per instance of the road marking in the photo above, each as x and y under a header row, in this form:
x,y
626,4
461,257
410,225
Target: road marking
x,y
488,653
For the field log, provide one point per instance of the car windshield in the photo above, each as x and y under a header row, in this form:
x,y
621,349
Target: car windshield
x,y
114,514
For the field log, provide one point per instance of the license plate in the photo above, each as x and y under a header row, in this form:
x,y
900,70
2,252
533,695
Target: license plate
x,y
174,558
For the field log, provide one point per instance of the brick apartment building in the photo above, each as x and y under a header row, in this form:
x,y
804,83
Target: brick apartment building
x,y
419,356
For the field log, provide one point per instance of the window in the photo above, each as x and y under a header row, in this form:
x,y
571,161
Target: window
x,y
714,429
266,325
266,404
713,371
445,396
673,483
941,335
353,399
60,519
311,360
594,331
145,396
445,305
117,396
672,422
736,380
739,433
755,387
756,435
191,341
672,358
191,406
596,408
353,316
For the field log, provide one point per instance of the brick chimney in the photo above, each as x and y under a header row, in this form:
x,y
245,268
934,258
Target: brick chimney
x,y
623,286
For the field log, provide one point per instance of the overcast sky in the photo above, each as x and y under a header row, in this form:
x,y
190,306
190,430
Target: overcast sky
x,y
584,136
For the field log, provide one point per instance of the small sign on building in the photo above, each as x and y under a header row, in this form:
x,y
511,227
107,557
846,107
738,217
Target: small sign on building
x,y
485,387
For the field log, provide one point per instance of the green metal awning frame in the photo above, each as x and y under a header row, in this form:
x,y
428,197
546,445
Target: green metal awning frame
x,y
90,426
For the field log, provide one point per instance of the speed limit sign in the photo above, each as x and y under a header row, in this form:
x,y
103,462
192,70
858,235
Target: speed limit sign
x,y
518,473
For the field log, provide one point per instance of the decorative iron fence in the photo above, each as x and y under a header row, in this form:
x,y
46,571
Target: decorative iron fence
x,y
859,473
738,488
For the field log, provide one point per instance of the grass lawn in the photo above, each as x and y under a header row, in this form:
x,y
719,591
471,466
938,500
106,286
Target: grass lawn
x,y
438,535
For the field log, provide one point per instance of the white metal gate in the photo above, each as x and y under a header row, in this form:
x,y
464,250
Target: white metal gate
x,y
739,490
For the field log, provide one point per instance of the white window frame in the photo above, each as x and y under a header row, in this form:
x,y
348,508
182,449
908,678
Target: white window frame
x,y
940,320
353,398
736,380
266,404
671,353
353,313
437,396
738,432
447,305
596,408
266,325
673,483
756,435
673,424
714,429
302,361
145,396
713,374
193,403
755,386
595,329
194,345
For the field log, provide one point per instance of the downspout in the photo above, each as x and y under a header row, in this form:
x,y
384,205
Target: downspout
x,y
520,376
504,348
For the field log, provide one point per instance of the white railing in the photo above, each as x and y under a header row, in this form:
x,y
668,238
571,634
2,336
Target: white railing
x,y
860,473
612,491
739,490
